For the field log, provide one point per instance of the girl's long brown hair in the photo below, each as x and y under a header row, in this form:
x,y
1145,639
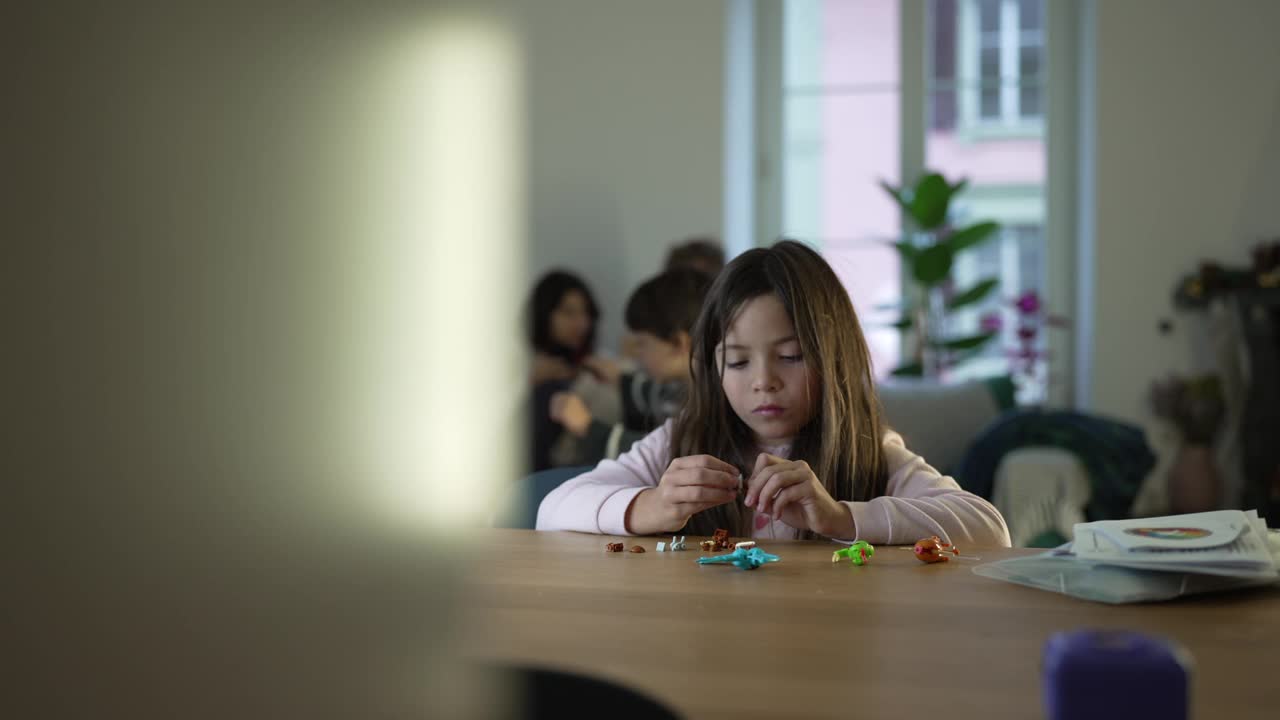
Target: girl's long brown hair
x,y
843,441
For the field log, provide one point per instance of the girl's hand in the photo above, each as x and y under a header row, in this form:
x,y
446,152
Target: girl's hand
x,y
689,486
790,491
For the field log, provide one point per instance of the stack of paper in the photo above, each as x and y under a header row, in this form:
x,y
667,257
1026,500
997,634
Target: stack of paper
x,y
1151,559
1224,542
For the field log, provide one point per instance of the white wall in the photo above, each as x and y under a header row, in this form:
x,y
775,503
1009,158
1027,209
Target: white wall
x,y
626,132
1188,167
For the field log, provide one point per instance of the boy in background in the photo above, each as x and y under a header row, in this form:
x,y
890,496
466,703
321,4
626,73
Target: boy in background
x,y
660,315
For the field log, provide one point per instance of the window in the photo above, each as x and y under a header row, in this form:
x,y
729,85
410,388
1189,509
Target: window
x,y
1001,54
982,91
841,135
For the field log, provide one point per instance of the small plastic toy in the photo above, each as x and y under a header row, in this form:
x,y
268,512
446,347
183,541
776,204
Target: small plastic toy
x,y
721,540
745,545
707,545
743,558
613,547
858,553
636,549
675,545
934,550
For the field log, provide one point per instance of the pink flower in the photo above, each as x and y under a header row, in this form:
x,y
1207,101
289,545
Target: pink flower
x,y
1028,303
991,322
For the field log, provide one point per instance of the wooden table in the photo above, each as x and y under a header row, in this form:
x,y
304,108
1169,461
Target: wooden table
x,y
808,638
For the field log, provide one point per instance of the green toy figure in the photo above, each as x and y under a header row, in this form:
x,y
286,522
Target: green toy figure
x,y
858,553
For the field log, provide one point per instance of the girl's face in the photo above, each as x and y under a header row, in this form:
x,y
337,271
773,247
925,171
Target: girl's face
x,y
571,320
764,374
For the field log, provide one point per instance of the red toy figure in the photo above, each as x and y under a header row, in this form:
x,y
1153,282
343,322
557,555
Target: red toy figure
x,y
613,547
934,550
721,540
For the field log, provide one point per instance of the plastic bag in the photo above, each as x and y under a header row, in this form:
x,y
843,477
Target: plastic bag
x,y
1107,583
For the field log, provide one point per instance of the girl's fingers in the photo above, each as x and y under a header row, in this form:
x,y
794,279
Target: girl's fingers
x,y
703,461
761,477
687,510
702,494
762,462
789,496
705,476
777,483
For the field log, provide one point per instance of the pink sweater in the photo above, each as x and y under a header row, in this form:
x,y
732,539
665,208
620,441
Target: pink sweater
x,y
919,501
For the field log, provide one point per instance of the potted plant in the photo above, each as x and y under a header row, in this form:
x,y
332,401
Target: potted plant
x,y
1195,406
928,255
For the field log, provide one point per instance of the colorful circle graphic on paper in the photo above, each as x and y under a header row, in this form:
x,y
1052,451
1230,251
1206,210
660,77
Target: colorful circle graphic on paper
x,y
1170,533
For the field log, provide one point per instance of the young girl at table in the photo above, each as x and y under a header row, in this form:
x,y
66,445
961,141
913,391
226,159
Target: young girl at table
x,y
782,434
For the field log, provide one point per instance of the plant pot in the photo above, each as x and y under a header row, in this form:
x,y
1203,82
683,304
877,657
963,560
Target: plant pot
x,y
1195,485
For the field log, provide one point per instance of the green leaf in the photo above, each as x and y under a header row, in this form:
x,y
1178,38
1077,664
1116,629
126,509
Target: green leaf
x,y
973,294
972,235
908,251
903,324
930,201
966,343
932,265
908,370
964,356
898,195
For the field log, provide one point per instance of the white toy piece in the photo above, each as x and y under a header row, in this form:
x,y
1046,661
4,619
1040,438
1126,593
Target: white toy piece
x,y
662,547
745,545
677,545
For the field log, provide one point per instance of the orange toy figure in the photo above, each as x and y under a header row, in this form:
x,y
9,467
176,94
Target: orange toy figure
x,y
934,550
721,540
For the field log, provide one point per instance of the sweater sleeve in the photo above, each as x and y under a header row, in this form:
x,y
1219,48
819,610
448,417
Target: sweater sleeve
x,y
920,502
597,501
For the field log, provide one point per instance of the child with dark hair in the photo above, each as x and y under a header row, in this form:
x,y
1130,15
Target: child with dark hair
x,y
562,322
660,315
703,254
562,317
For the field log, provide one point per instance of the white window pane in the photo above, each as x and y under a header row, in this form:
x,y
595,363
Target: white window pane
x,y
988,16
860,44
803,166
989,65
870,271
990,103
802,42
1030,14
1006,169
1030,101
841,137
1029,64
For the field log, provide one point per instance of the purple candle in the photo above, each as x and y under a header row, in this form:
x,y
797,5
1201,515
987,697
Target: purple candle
x,y
1113,674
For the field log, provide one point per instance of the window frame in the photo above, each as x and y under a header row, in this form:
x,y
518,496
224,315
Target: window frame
x,y
1068,43
971,126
